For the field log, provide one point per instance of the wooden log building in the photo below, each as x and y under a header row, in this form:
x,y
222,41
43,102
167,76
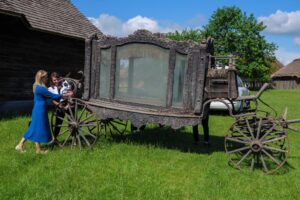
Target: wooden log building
x,y
39,34
288,77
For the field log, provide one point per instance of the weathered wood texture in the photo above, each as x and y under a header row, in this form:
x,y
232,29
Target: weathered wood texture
x,y
221,83
24,51
193,83
141,113
288,77
286,83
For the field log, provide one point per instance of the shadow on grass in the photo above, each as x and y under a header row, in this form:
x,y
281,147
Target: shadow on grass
x,y
13,115
21,113
181,140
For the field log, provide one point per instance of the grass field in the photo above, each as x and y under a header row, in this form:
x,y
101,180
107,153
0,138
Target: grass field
x,y
157,164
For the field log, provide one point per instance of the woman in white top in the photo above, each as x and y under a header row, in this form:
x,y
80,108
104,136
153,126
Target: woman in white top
x,y
60,112
54,83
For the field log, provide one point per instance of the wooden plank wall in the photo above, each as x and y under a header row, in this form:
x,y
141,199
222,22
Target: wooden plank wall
x,y
24,51
292,83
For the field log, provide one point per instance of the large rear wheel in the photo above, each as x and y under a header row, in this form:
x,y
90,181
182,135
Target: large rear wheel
x,y
114,126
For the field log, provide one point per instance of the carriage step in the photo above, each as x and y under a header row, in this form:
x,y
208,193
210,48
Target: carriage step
x,y
219,81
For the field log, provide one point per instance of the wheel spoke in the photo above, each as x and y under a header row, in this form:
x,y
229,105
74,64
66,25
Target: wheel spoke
x,y
98,129
63,119
110,130
87,118
87,133
87,122
105,132
64,132
115,128
67,139
268,132
275,149
244,157
237,129
73,141
69,117
272,158
236,140
71,113
259,128
120,123
82,111
88,125
239,149
86,140
79,142
93,128
249,129
252,162
273,140
75,110
62,126
263,163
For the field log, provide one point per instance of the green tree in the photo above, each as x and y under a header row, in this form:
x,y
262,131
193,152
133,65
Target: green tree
x,y
236,33
194,35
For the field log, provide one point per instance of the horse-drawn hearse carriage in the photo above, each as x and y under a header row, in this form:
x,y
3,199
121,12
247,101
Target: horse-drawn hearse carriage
x,y
146,78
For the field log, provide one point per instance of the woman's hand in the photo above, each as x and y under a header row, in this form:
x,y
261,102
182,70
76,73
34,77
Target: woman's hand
x,y
69,94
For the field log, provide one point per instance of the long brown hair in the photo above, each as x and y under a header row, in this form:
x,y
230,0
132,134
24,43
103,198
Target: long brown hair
x,y
53,75
39,79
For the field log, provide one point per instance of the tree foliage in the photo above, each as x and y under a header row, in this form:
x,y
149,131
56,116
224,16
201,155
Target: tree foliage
x,y
194,35
236,33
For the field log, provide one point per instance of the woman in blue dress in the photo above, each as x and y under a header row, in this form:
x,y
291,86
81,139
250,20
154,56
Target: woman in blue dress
x,y
39,129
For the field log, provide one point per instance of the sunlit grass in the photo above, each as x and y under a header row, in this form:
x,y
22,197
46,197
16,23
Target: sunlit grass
x,y
157,164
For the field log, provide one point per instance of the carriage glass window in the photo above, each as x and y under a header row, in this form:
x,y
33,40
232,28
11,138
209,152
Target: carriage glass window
x,y
105,72
141,74
179,75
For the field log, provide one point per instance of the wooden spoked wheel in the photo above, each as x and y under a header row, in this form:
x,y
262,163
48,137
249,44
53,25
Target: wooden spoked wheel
x,y
114,126
255,142
58,123
79,127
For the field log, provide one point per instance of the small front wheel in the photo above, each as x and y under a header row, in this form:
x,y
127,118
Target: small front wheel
x,y
257,142
81,127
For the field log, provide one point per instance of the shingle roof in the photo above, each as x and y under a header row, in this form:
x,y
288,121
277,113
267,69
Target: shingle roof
x,y
57,16
291,70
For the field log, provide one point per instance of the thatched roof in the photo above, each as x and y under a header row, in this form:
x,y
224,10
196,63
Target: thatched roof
x,y
275,66
291,70
56,16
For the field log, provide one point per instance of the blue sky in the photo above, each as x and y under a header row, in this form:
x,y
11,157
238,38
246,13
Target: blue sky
x,y
120,18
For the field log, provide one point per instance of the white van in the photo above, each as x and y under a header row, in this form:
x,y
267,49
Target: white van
x,y
238,105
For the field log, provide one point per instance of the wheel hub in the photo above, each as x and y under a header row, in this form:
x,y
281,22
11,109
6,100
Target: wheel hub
x,y
74,125
256,146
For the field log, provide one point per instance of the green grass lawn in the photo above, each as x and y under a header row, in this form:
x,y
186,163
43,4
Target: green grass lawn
x,y
157,164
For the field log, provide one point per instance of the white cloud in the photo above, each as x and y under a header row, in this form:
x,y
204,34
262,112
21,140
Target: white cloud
x,y
282,22
285,24
112,25
286,56
297,41
140,22
108,24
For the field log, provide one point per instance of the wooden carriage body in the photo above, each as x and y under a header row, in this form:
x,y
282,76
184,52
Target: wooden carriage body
x,y
147,78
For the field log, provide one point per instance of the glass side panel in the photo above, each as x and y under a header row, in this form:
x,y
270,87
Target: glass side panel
x,y
179,75
105,72
142,74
